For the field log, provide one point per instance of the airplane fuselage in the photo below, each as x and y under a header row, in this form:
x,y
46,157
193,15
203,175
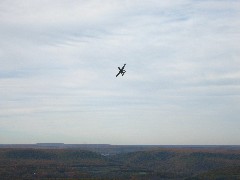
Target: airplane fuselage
x,y
121,70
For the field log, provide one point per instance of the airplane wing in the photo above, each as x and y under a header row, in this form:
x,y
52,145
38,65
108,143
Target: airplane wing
x,y
117,74
124,66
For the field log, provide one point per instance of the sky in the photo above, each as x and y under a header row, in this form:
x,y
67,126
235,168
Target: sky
x,y
59,60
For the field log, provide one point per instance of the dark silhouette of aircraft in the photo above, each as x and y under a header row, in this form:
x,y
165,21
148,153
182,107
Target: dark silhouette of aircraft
x,y
121,70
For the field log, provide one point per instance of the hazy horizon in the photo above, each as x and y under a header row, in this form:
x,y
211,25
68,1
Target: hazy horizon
x,y
54,144
59,60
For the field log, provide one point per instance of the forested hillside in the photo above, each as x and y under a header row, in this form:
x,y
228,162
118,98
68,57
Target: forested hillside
x,y
151,164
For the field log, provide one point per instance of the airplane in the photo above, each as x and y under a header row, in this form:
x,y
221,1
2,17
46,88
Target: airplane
x,y
121,70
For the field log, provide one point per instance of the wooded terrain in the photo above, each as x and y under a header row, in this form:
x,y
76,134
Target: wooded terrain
x,y
166,163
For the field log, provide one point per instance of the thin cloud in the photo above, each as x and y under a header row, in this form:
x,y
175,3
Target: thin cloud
x,y
59,60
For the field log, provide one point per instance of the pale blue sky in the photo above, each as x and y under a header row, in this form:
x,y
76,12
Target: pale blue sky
x,y
58,61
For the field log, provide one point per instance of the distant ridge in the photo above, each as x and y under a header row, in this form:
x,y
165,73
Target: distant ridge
x,y
113,149
49,143
54,145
